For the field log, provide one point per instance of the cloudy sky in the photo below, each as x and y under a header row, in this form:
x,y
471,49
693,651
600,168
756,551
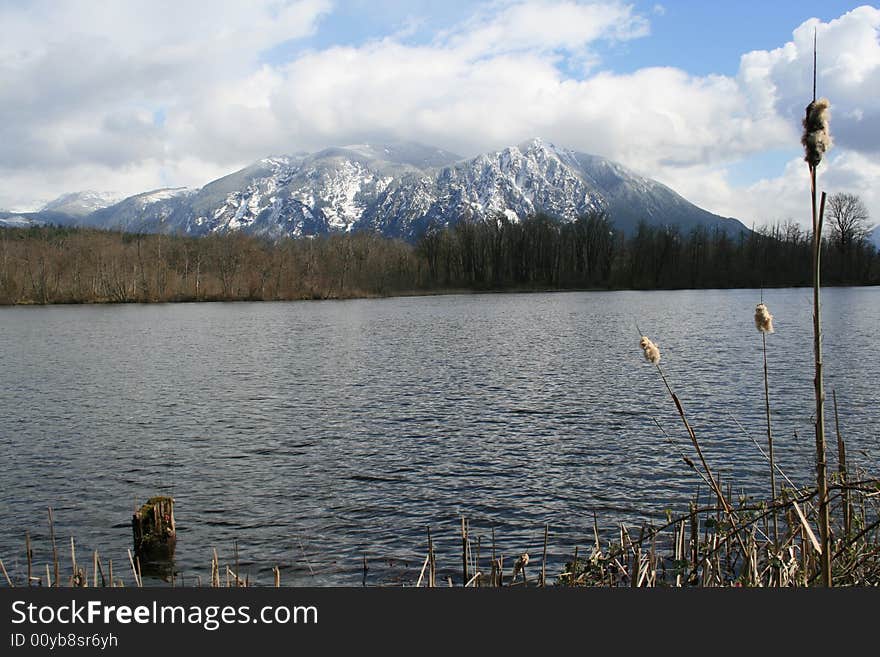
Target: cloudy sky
x,y
704,96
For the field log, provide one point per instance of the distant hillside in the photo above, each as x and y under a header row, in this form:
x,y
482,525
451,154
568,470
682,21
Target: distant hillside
x,y
80,204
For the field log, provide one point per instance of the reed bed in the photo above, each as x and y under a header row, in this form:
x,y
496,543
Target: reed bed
x,y
98,573
711,544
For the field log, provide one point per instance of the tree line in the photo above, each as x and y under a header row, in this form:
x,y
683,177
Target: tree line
x,y
540,252
50,264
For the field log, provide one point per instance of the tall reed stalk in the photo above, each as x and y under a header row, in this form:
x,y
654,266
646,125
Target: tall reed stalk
x,y
816,140
818,383
764,324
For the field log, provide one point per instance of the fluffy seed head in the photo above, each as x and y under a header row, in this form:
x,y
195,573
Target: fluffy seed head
x,y
763,319
816,138
652,352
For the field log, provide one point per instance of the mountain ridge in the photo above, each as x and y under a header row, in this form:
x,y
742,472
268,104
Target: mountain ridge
x,y
399,189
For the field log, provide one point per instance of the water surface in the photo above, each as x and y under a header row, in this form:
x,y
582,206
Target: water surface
x,y
313,433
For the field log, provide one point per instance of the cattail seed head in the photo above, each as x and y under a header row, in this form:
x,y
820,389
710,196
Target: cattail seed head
x,y
763,319
816,138
652,352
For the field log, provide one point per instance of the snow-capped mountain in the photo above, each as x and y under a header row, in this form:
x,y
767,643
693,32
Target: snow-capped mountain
x,y
157,211
16,221
874,236
401,190
80,204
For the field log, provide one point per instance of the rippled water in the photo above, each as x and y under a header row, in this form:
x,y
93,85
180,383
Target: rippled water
x,y
314,433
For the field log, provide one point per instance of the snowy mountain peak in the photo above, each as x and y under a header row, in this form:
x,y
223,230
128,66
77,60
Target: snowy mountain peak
x,y
80,204
541,150
537,145
276,162
541,147
405,152
163,194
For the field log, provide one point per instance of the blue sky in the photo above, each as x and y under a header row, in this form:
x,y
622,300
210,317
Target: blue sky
x,y
704,96
705,37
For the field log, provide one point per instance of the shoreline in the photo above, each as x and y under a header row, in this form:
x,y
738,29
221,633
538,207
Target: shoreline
x,y
413,294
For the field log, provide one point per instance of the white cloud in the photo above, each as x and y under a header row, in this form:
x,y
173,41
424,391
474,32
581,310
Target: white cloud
x,y
784,197
83,89
127,180
82,81
545,26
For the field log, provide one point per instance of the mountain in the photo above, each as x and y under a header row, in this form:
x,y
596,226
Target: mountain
x,y
158,211
874,236
66,209
12,220
9,219
80,204
403,189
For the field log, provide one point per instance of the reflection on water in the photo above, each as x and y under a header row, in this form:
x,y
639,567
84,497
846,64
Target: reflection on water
x,y
314,433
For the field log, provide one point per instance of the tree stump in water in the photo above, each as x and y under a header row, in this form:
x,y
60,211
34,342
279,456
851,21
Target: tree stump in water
x,y
154,532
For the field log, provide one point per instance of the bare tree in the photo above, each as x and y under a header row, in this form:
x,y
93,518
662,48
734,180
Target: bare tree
x,y
848,218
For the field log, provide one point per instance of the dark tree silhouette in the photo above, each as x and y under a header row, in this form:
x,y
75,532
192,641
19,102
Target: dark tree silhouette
x,y
848,219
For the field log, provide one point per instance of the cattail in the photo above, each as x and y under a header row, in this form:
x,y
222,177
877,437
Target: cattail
x,y
763,319
652,352
816,138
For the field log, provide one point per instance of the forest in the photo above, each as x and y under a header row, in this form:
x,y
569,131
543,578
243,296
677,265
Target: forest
x,y
49,264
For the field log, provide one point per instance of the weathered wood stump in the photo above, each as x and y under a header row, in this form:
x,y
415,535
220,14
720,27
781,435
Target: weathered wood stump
x,y
154,533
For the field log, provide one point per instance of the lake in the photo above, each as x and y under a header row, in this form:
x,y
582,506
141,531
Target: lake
x,y
315,433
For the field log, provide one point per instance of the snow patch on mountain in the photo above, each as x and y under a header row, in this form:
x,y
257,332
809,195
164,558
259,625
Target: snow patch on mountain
x,y
148,198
